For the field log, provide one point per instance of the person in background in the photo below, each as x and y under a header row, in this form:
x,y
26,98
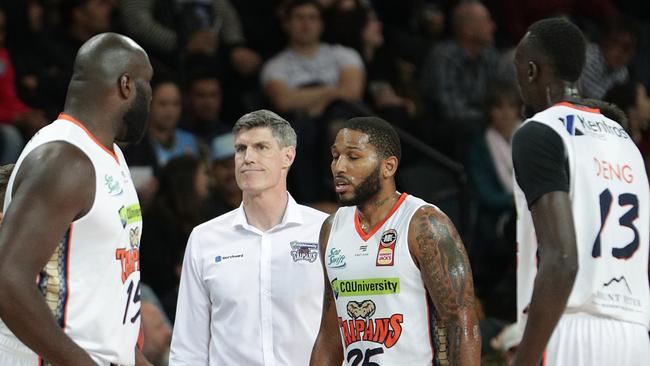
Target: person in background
x,y
156,328
225,195
203,101
176,209
5,173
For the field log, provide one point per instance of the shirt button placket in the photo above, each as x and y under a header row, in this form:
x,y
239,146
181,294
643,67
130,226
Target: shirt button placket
x,y
266,299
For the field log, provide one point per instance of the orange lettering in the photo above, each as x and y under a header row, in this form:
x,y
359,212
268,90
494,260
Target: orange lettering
x,y
396,323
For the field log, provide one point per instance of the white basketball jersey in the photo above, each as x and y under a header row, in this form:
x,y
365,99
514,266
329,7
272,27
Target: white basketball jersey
x,y
382,305
92,282
611,211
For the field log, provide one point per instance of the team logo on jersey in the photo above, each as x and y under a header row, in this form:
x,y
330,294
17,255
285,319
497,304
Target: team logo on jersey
x,y
113,186
130,258
386,252
335,259
363,327
302,251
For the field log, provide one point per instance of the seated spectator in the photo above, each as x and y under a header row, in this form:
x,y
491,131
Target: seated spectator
x,y
225,194
203,102
457,73
606,63
164,27
176,210
14,114
490,170
313,84
156,329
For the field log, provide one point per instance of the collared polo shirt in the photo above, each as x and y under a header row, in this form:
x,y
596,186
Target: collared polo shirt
x,y
249,297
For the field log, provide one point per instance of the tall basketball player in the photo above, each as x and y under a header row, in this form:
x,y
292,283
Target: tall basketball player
x,y
69,259
583,215
398,289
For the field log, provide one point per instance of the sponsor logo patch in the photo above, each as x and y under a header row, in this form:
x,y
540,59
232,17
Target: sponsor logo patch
x,y
386,252
219,258
335,259
365,287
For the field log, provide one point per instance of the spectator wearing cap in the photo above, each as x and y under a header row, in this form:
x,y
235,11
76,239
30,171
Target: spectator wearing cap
x,y
225,195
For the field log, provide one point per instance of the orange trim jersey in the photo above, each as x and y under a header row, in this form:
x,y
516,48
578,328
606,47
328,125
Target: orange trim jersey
x,y
608,188
382,304
92,282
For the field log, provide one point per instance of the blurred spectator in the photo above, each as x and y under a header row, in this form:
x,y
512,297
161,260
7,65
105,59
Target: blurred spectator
x,y
203,101
490,171
197,26
507,342
313,83
457,73
225,195
606,63
5,174
175,211
357,26
14,114
156,328
519,14
633,99
309,75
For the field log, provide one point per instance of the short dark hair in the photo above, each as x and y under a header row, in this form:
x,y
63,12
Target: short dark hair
x,y
562,43
622,95
500,91
292,5
5,173
381,134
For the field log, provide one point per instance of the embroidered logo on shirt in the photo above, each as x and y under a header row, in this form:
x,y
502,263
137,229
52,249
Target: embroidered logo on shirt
x,y
219,259
302,251
335,259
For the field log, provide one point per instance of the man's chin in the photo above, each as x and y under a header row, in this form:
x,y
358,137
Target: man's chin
x,y
351,201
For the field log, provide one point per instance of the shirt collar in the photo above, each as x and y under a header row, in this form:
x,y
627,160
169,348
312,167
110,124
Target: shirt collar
x,y
292,215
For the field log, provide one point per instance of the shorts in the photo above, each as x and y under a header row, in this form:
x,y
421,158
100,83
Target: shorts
x,y
586,340
14,353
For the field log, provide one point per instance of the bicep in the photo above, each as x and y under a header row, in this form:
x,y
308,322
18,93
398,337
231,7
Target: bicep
x,y
440,254
54,186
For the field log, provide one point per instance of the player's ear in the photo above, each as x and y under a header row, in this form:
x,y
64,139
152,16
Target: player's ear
x,y
532,71
125,86
289,156
389,166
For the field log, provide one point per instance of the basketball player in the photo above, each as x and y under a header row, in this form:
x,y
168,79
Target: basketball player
x,y
69,262
583,215
398,289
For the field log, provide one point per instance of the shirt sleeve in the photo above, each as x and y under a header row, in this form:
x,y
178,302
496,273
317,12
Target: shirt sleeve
x,y
273,70
191,337
540,161
347,58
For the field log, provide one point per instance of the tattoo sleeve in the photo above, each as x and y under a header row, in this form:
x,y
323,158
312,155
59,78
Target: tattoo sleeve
x,y
448,278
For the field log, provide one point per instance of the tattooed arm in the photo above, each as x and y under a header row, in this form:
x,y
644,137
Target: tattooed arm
x,y
440,254
327,348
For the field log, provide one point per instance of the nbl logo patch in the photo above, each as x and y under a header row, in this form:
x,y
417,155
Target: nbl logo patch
x,y
386,252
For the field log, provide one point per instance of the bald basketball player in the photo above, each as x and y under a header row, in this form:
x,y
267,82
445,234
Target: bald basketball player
x,y
69,259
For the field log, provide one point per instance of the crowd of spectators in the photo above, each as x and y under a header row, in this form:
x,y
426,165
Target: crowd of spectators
x,y
439,70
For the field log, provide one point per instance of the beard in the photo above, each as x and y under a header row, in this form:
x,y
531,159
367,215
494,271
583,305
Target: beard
x,y
365,191
134,122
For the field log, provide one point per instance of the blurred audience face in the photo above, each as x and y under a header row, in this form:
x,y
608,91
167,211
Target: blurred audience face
x,y
618,49
642,103
473,23
304,25
94,16
372,35
157,334
35,14
204,100
505,116
223,173
165,107
260,160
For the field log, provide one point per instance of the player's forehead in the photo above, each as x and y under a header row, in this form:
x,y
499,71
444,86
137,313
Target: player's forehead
x,y
352,139
255,135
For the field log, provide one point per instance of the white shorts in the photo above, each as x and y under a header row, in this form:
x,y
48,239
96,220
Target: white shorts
x,y
585,340
14,353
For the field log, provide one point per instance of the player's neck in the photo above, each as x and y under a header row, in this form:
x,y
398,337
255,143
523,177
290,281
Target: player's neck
x,y
264,210
375,210
93,123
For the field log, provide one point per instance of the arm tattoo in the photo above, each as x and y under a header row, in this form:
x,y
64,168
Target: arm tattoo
x,y
447,276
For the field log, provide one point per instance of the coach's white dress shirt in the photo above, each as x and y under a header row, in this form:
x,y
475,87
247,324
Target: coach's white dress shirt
x,y
249,297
